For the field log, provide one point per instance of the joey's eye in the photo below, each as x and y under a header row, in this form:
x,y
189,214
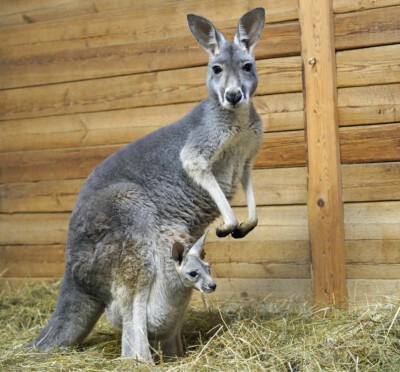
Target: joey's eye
x,y
193,274
217,69
247,67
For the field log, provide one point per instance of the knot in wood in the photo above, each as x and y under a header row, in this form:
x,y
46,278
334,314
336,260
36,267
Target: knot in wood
x,y
320,202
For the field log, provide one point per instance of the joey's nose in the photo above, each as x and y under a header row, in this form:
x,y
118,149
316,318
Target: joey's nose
x,y
233,96
213,286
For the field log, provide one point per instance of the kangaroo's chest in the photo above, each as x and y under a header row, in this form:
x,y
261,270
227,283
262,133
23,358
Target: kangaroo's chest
x,y
228,167
164,311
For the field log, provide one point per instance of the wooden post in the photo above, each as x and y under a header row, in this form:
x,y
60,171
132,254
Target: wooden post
x,y
325,208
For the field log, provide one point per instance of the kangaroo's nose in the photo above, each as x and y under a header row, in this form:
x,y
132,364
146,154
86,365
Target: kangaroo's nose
x,y
233,96
213,286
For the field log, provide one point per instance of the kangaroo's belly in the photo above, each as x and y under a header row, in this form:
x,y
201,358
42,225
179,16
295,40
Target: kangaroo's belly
x,y
164,313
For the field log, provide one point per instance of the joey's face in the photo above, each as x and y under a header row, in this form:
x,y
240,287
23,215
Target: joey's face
x,y
195,273
232,76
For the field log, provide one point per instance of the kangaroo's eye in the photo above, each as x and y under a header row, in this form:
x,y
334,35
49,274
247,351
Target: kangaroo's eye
x,y
217,69
247,67
193,274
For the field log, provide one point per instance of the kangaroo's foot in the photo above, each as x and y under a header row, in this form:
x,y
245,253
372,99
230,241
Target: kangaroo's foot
x,y
244,228
225,229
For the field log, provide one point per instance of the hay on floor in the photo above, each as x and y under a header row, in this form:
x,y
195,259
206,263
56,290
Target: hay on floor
x,y
239,340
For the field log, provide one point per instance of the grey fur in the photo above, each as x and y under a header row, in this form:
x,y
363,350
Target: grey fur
x,y
164,188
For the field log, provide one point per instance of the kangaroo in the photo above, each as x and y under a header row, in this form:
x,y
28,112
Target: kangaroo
x,y
164,188
169,296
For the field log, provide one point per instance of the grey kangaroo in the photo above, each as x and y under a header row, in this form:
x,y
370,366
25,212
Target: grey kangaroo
x,y
159,192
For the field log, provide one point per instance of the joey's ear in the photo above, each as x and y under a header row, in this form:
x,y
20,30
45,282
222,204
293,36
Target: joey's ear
x,y
209,38
197,249
249,29
178,251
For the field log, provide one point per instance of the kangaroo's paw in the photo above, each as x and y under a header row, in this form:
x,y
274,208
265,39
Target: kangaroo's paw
x,y
225,230
244,228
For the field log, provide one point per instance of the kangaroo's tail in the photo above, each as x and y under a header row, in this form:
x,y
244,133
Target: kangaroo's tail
x,y
74,317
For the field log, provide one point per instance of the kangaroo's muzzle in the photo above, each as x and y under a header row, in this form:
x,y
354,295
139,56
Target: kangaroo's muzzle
x,y
233,96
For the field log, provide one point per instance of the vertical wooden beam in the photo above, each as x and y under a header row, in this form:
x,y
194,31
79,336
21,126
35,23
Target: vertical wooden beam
x,y
325,207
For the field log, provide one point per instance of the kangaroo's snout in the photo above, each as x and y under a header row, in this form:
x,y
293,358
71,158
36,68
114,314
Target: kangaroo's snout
x,y
233,96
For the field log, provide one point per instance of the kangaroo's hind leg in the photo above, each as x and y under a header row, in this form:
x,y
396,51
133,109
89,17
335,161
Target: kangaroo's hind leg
x,y
74,317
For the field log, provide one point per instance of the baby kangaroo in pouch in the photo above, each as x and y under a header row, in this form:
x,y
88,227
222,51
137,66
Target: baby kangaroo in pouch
x,y
135,235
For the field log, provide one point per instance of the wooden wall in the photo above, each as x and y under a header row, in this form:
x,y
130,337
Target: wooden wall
x,y
79,79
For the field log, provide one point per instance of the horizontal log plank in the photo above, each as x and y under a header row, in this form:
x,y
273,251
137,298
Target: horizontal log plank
x,y
279,112
368,66
271,186
363,221
362,105
371,182
345,6
283,149
383,251
138,57
136,23
372,221
357,145
48,269
32,228
18,12
257,292
374,259
373,271
367,28
27,11
279,75
72,60
373,143
275,223
369,105
364,292
276,186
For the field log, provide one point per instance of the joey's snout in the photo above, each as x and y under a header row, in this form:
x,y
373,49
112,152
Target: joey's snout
x,y
208,287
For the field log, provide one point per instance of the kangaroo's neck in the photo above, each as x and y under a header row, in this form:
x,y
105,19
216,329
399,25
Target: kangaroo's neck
x,y
169,285
240,116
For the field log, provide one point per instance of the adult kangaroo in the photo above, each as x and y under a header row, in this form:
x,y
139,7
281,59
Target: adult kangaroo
x,y
159,190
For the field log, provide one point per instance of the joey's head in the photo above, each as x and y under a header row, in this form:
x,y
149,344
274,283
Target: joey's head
x,y
192,270
232,76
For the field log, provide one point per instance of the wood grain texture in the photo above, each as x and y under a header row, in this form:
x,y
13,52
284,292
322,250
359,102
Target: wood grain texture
x,y
281,149
378,65
258,292
369,105
279,112
372,143
367,28
371,182
345,6
282,234
279,75
81,57
275,224
364,292
45,67
357,106
324,202
152,21
276,186
33,11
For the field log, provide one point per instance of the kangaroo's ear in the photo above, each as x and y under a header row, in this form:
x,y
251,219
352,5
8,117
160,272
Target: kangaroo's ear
x,y
197,249
249,29
178,251
209,38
